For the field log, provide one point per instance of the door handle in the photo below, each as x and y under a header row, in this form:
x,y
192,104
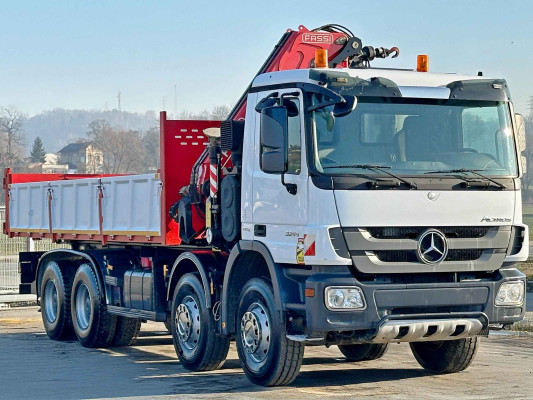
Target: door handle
x,y
292,188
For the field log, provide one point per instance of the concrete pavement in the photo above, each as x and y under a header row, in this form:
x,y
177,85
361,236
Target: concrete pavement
x,y
34,366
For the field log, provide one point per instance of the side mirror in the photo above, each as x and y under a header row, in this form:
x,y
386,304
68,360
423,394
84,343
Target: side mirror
x,y
274,140
292,108
520,132
342,109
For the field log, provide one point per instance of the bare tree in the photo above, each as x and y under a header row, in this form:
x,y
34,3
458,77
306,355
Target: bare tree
x,y
12,135
218,113
123,150
151,141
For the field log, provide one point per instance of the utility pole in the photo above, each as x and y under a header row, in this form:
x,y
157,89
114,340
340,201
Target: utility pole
x,y
118,97
175,100
530,106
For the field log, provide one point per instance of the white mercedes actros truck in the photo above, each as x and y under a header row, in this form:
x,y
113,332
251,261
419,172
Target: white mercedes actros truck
x,y
339,204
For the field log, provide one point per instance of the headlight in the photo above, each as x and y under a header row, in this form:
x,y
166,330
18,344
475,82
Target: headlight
x,y
510,294
344,298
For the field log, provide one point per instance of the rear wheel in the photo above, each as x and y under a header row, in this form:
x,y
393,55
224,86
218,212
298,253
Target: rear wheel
x,y
363,352
267,356
126,332
93,325
168,324
197,345
56,286
445,356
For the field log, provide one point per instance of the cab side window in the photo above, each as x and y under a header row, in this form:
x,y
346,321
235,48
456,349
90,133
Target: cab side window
x,y
295,140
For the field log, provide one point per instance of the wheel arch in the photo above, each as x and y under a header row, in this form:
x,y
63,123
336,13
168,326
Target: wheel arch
x,y
238,272
67,255
193,262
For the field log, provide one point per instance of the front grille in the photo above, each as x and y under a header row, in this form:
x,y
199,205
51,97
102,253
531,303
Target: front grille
x,y
402,256
412,232
464,254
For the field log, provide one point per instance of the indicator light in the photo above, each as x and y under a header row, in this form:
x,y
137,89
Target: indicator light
x,y
422,63
321,58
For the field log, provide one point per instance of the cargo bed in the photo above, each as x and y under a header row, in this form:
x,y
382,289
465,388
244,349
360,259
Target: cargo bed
x,y
121,207
107,208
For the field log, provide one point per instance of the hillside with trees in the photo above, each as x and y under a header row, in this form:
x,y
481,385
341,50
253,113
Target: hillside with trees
x,y
59,127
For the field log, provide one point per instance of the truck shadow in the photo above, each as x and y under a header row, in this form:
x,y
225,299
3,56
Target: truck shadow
x,y
150,368
342,376
326,371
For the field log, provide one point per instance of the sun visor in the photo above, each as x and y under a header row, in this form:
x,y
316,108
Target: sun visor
x,y
480,89
343,83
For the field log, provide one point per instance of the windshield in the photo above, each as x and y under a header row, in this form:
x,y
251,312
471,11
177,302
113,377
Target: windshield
x,y
415,136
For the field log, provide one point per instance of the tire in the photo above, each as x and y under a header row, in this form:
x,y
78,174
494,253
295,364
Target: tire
x,y
445,356
363,352
56,287
168,325
126,332
267,356
93,325
197,345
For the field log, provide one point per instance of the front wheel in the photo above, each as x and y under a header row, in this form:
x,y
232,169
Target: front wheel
x,y
267,356
445,356
198,346
363,352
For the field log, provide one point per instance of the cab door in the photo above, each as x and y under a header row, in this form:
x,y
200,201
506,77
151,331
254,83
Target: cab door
x,y
279,217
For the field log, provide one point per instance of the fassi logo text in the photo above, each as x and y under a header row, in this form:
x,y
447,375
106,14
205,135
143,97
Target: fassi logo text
x,y
317,38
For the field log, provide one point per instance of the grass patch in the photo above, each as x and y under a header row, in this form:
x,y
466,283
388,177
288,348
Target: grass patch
x,y
527,269
527,218
526,325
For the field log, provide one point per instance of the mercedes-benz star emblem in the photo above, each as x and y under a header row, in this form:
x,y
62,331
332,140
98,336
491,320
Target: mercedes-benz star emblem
x,y
432,247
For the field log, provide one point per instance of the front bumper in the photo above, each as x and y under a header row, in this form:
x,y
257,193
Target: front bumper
x,y
440,307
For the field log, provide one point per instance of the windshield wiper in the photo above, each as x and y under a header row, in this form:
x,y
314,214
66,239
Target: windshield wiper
x,y
472,171
380,168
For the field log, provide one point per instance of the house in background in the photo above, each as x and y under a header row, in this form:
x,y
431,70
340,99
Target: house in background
x,y
82,158
50,166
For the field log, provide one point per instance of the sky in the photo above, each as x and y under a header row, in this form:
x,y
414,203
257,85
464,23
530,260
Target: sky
x,y
81,54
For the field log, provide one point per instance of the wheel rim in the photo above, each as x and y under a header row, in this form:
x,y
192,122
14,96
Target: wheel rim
x,y
51,303
83,307
187,323
255,336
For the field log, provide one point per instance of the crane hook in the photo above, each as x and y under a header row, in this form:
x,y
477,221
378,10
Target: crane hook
x,y
395,50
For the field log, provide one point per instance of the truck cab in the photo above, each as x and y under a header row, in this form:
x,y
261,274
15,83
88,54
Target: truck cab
x,y
397,209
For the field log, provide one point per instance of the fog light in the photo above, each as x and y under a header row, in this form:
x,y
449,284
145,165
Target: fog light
x,y
510,294
344,298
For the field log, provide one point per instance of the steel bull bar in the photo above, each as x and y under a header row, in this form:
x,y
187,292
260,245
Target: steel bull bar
x,y
396,331
408,328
